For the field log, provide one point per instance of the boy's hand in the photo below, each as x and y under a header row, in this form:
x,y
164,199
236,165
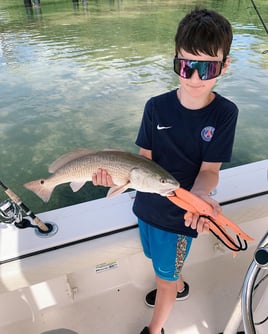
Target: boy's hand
x,y
202,224
102,178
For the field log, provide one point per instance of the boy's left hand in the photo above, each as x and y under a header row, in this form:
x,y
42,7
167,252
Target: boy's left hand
x,y
199,223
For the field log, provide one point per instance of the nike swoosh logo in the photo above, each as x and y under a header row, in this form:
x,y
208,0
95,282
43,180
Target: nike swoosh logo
x,y
163,127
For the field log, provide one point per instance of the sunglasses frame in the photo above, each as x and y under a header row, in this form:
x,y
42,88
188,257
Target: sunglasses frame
x,y
197,67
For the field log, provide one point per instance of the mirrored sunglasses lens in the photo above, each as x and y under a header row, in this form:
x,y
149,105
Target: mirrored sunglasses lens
x,y
209,70
183,68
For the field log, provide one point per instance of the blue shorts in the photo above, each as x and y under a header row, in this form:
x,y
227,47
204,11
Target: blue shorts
x,y
167,250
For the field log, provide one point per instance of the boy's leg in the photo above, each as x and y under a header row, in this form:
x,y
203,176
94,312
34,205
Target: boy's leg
x,y
165,299
168,252
180,283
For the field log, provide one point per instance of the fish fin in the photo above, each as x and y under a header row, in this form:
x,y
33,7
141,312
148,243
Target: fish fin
x,y
70,156
76,186
116,190
41,188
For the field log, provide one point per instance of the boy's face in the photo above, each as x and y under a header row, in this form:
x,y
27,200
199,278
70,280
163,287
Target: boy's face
x,y
194,86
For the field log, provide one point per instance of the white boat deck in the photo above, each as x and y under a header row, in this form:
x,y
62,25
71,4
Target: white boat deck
x,y
109,296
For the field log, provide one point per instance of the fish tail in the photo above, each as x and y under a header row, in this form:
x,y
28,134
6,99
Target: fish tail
x,y
42,188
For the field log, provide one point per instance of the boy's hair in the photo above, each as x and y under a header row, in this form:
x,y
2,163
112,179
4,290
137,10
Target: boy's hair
x,y
204,31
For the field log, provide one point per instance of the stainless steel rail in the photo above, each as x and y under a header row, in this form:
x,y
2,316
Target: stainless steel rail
x,y
260,261
243,308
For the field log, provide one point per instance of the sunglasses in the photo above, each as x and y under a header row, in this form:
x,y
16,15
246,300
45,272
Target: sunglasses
x,y
206,69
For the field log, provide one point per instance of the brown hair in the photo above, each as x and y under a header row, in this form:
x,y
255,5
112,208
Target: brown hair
x,y
204,31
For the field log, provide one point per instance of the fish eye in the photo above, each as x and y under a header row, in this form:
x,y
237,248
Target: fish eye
x,y
162,181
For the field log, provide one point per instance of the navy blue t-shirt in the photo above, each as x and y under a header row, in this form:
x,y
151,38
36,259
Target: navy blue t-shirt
x,y
180,140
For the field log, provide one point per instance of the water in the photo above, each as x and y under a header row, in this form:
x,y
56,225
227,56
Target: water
x,y
77,74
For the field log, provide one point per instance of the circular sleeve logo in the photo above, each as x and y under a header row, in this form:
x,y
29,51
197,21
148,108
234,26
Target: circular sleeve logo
x,y
207,133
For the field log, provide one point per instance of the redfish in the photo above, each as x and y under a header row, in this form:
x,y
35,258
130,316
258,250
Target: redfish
x,y
127,170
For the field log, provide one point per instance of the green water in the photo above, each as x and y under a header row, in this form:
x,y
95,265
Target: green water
x,y
77,74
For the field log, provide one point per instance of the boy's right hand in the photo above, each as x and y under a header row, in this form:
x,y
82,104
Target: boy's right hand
x,y
102,178
201,224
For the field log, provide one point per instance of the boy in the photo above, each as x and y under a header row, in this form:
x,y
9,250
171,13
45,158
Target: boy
x,y
190,132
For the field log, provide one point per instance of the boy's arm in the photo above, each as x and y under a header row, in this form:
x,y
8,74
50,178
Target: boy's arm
x,y
206,181
146,153
207,178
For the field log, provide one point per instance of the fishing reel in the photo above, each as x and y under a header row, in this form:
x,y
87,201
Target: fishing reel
x,y
10,212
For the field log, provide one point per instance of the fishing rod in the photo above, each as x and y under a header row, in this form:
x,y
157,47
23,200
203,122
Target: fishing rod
x,y
259,15
44,228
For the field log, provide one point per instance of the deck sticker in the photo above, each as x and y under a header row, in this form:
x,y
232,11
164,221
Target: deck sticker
x,y
106,266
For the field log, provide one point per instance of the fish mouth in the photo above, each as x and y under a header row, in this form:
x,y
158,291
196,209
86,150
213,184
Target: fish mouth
x,y
169,193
